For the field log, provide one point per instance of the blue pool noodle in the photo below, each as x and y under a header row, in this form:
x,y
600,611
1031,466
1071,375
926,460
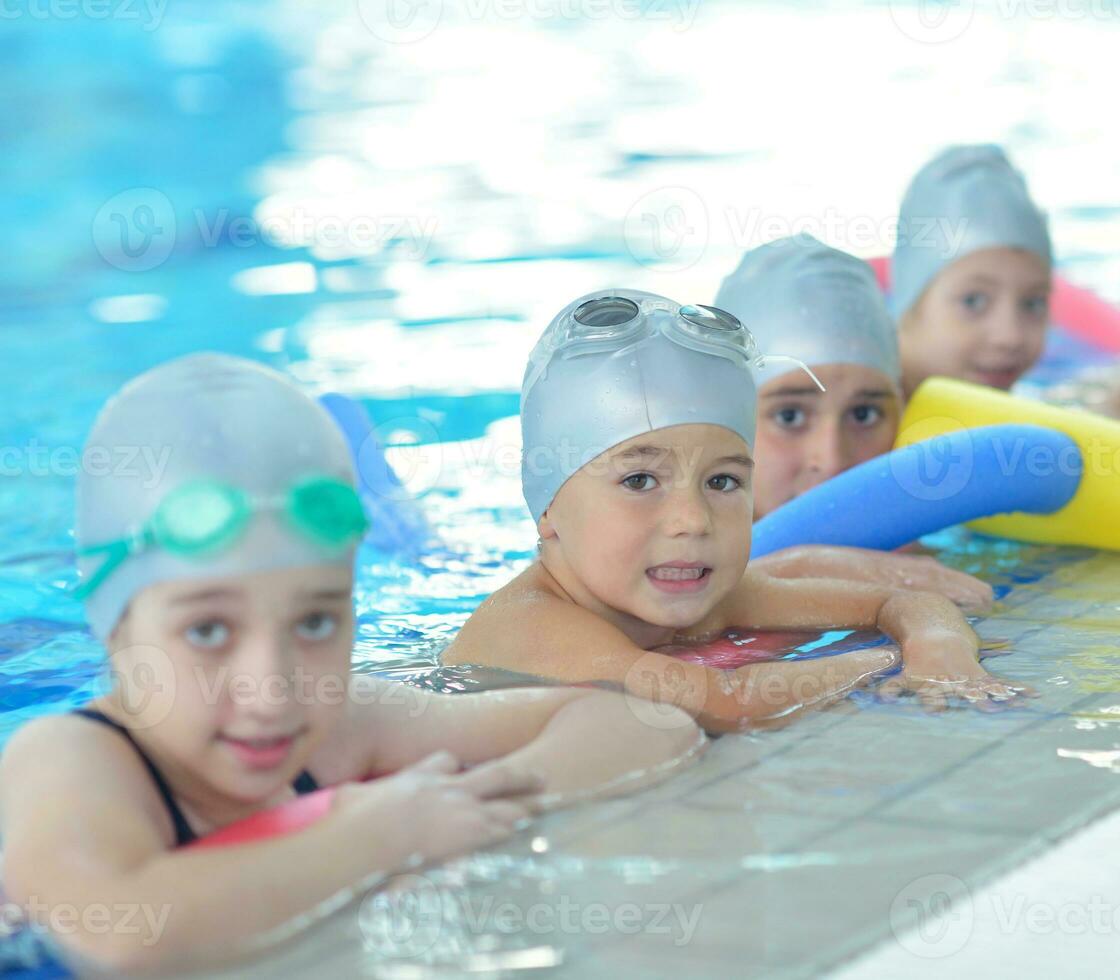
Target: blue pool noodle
x,y
397,524
894,499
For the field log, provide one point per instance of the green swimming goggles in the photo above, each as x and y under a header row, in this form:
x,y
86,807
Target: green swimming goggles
x,y
203,517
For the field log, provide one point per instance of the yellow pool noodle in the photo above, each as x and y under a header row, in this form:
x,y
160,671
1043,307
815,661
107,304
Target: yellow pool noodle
x,y
942,405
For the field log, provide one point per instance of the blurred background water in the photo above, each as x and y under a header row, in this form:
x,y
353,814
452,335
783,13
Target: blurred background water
x,y
391,199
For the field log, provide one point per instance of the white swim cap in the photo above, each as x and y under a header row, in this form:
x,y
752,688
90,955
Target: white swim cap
x,y
618,363
220,421
817,303
967,198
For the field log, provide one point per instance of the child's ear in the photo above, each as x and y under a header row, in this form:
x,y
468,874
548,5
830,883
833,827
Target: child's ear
x,y
545,528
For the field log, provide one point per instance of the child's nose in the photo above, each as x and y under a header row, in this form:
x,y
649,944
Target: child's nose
x,y
1008,327
266,676
827,453
688,513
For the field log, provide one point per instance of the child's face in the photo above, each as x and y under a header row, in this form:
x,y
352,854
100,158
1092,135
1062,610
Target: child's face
x,y
234,682
806,436
659,527
983,319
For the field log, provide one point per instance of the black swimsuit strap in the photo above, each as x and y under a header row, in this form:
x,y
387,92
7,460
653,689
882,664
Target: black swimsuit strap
x,y
183,832
304,782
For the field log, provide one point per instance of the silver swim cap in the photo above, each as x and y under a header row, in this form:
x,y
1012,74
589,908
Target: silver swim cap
x,y
965,199
621,362
205,417
817,303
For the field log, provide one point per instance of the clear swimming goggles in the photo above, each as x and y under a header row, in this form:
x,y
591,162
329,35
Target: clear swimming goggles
x,y
203,517
615,320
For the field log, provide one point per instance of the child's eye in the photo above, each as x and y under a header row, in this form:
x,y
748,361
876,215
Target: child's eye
x,y
867,415
210,635
1037,306
976,302
640,481
790,417
317,626
725,482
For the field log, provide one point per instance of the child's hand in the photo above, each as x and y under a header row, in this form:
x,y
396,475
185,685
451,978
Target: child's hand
x,y
890,568
928,575
939,667
434,811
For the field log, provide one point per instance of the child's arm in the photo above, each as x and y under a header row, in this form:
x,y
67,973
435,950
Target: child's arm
x,y
939,649
553,638
580,742
87,848
918,572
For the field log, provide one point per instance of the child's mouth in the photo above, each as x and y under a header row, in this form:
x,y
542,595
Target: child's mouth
x,y
261,753
678,577
998,377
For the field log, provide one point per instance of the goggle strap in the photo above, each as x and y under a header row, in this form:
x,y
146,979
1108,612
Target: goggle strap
x,y
763,359
116,552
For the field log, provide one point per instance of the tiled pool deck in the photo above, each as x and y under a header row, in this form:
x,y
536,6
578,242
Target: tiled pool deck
x,y
817,848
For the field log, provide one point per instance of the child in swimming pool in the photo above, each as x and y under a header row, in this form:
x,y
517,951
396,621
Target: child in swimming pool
x,y
638,424
222,589
970,275
825,308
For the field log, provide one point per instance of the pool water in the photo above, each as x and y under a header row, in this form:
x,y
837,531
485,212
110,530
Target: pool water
x,y
393,210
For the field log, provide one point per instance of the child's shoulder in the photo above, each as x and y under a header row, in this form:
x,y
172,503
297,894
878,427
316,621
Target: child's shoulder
x,y
48,736
74,756
64,744
523,619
